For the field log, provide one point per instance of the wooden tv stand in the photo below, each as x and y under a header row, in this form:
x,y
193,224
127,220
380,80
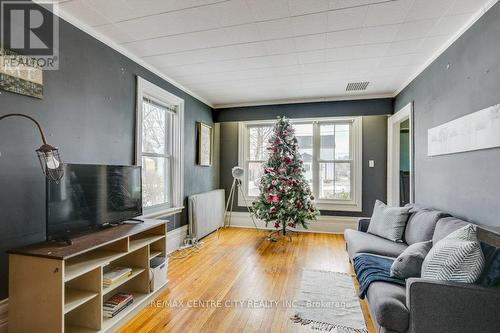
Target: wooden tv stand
x,y
58,288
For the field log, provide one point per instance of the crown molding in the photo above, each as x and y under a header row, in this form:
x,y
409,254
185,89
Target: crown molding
x,y
303,100
446,45
110,43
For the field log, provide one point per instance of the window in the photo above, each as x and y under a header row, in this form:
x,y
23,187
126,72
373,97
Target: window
x,y
159,147
156,175
335,162
258,137
331,152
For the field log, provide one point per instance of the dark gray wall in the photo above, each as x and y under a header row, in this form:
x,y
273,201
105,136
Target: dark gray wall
x,y
88,111
465,184
363,107
374,139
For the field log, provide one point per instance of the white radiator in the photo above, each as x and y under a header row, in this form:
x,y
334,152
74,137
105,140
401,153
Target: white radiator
x,y
206,212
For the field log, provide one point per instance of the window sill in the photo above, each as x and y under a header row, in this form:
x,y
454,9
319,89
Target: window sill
x,y
347,207
162,212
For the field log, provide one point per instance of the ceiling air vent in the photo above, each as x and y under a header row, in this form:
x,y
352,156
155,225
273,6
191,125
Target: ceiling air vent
x,y
357,86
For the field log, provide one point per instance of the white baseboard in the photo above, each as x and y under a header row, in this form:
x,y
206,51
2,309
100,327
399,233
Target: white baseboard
x,y
324,224
4,315
175,238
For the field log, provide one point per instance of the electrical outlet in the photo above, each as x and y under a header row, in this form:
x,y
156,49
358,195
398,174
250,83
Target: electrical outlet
x,y
371,163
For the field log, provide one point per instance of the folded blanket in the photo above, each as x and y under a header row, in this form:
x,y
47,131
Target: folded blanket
x,y
370,268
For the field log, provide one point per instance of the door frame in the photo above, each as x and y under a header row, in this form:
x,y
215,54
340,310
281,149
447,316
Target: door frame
x,y
393,154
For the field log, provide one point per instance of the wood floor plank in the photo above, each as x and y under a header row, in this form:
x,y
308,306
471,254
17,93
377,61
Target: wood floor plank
x,y
224,286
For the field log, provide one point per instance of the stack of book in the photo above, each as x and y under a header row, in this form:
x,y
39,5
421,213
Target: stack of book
x,y
115,274
116,304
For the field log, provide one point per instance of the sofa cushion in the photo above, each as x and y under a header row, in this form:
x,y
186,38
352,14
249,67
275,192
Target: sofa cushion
x,y
387,304
446,226
362,242
388,222
457,257
409,263
421,225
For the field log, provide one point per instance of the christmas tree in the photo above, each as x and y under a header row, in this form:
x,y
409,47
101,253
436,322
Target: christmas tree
x,y
285,197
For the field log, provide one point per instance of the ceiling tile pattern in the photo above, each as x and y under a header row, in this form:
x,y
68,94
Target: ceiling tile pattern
x,y
256,51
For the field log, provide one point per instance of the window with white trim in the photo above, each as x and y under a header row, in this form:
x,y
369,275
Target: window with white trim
x,y
330,149
159,147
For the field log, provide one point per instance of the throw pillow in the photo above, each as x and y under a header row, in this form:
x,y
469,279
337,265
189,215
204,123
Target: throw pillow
x,y
409,263
421,225
388,222
457,257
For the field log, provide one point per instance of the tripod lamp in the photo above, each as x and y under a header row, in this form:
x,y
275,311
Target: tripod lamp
x,y
237,173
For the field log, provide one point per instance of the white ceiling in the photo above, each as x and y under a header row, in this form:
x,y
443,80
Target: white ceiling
x,y
232,52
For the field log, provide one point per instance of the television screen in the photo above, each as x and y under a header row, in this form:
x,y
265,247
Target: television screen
x,y
89,196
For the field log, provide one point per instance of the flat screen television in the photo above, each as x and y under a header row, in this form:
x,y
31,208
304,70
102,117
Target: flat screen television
x,y
90,196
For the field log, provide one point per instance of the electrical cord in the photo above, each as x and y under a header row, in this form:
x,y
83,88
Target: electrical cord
x,y
189,251
184,253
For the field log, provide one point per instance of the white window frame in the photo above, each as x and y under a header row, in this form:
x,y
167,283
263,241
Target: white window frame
x,y
161,96
356,142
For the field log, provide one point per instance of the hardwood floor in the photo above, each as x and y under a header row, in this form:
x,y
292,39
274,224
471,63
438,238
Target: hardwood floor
x,y
238,265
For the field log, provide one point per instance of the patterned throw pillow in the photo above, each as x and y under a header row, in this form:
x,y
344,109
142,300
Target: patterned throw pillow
x,y
409,263
388,222
457,257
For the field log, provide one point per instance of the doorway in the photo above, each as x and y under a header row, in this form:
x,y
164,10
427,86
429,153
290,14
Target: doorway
x,y
400,157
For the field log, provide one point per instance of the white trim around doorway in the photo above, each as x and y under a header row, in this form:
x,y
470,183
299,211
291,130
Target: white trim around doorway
x,y
393,146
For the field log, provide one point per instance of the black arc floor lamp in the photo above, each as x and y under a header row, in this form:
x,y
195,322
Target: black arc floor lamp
x,y
48,155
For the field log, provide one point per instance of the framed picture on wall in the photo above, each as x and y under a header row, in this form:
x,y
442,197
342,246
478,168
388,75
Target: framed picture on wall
x,y
20,75
205,134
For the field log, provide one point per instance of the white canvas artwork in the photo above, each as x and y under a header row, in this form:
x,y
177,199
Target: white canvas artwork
x,y
478,130
204,144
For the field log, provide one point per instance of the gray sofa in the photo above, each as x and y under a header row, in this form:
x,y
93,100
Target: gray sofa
x,y
424,306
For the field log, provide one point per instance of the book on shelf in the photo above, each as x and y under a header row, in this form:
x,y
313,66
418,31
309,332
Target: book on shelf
x,y
115,274
116,304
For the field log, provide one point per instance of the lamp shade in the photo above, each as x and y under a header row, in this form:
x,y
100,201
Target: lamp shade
x,y
51,162
238,172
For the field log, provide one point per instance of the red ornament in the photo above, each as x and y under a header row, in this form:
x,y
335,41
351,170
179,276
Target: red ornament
x,y
273,198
